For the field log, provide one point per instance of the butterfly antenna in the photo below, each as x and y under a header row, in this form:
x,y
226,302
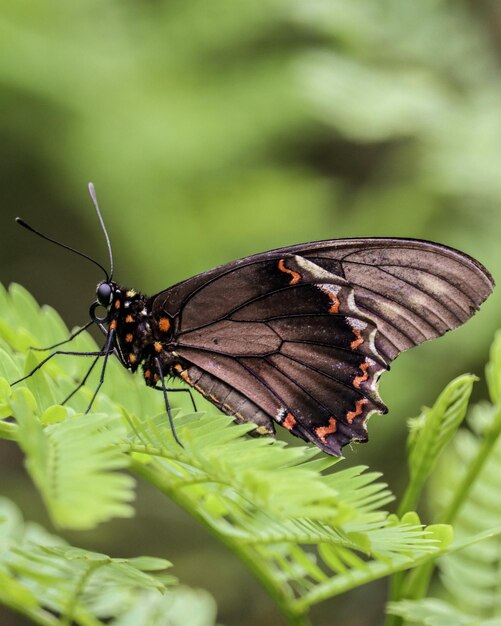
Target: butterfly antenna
x,y
24,224
92,193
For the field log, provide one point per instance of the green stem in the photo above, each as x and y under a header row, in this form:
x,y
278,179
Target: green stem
x,y
396,582
418,581
69,614
408,503
294,616
374,571
410,498
462,491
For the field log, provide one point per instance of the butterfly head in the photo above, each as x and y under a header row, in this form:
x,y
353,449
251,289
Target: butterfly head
x,y
107,293
104,293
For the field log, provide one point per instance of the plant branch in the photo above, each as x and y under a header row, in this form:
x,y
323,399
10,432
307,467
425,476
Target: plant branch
x,y
294,617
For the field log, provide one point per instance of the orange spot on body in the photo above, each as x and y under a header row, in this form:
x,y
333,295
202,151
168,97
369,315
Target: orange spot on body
x,y
129,319
132,358
183,373
164,324
129,337
158,346
117,304
323,431
156,377
113,324
296,276
358,380
289,421
359,404
359,339
147,374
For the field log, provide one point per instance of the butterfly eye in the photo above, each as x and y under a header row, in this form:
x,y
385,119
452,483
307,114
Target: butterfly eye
x,y
104,294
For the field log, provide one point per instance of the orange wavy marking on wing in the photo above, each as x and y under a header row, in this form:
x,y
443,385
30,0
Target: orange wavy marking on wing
x,y
358,380
322,431
359,339
332,295
296,276
351,415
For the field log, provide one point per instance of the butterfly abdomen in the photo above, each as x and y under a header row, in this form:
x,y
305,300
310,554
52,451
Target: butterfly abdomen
x,y
226,398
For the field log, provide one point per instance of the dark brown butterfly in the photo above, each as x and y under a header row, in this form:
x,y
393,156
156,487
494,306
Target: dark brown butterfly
x,y
297,336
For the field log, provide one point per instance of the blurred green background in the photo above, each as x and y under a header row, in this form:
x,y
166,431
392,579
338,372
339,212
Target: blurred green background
x,y
214,130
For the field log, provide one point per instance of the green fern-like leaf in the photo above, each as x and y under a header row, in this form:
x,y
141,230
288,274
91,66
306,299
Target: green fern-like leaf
x,y
55,584
307,532
472,575
465,488
434,612
493,371
74,463
431,432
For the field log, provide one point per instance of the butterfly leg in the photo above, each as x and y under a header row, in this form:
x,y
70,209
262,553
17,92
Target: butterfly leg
x,y
83,381
164,389
70,338
174,390
42,363
108,349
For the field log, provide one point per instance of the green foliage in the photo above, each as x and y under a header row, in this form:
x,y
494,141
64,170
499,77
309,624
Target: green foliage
x,y
80,485
384,74
216,132
465,490
431,432
55,584
435,612
306,533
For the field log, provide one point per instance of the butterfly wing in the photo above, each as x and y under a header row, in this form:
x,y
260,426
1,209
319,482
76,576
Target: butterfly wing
x,y
300,335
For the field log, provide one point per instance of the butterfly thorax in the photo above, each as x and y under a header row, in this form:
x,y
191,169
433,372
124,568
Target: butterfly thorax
x,y
138,336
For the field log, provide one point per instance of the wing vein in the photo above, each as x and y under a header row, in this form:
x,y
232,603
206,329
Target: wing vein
x,y
419,269
330,377
295,382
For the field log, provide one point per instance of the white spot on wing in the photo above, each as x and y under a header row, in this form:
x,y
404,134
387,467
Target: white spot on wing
x,y
354,322
319,273
351,302
329,289
281,414
372,339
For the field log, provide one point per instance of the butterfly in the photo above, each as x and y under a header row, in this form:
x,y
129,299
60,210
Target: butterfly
x,y
296,336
